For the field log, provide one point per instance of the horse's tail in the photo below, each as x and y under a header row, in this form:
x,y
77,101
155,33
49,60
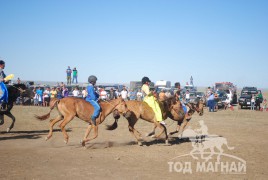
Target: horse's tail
x,y
113,126
116,116
53,103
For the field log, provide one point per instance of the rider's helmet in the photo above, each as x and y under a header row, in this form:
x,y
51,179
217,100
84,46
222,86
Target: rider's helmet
x,y
145,79
92,79
2,62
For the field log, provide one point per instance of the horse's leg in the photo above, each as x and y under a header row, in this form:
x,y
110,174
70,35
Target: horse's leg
x,y
153,131
164,129
133,131
66,120
13,121
177,129
1,119
183,125
89,128
87,133
51,125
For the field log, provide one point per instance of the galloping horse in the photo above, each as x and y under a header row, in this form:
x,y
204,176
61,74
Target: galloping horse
x,y
14,91
141,110
197,106
70,107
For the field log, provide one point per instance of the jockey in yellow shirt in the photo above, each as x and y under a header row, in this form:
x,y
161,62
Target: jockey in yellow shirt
x,y
150,99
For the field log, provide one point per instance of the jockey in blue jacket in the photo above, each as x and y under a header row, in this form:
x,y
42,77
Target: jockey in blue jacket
x,y
92,98
3,89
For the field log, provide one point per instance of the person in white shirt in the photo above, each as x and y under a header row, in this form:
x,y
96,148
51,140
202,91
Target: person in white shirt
x,y
103,94
75,92
187,96
84,93
139,95
124,94
46,96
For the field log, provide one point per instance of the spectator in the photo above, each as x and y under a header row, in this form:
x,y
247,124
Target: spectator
x,y
252,105
53,93
162,95
59,93
46,96
84,93
264,105
178,92
258,101
211,102
69,74
75,75
103,94
187,96
124,93
168,93
139,95
35,99
76,92
117,93
112,94
132,95
65,91
39,92
18,81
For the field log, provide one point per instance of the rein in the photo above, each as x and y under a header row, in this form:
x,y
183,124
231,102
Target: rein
x,y
21,90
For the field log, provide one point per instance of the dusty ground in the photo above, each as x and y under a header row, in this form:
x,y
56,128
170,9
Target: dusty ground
x,y
25,154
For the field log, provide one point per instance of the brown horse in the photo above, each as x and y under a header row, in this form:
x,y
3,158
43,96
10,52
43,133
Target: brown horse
x,y
141,110
70,107
182,122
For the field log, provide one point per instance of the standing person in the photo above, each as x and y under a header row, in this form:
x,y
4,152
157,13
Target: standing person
x,y
187,96
162,95
211,103
124,93
131,95
103,94
258,101
150,100
46,95
75,75
112,94
59,93
65,91
75,92
264,105
92,98
139,95
84,93
69,74
252,105
39,92
53,93
18,81
178,92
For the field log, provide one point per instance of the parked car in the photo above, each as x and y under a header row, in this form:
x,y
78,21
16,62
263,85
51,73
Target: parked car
x,y
221,100
246,95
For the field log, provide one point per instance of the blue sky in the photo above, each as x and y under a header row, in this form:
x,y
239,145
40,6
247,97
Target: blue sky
x,y
123,40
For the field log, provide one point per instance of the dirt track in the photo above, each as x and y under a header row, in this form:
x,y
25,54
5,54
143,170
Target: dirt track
x,y
25,154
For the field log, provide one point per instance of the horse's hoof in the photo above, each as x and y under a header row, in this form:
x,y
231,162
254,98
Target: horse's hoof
x,y
153,136
167,143
83,143
8,130
140,143
65,141
150,134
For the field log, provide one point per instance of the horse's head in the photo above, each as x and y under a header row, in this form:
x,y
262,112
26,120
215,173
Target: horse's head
x,y
121,107
173,107
198,106
16,90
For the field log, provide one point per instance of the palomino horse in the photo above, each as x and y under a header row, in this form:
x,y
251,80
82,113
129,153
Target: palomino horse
x,y
14,91
70,107
141,110
184,120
